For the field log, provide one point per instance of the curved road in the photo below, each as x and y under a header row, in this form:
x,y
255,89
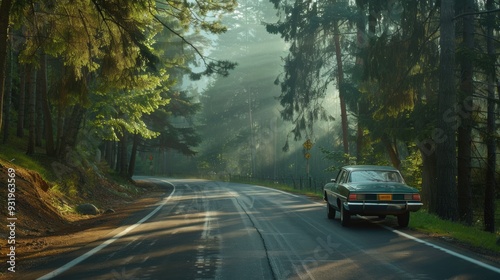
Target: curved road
x,y
218,230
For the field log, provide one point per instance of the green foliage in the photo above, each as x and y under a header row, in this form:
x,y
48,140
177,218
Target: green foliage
x,y
337,157
113,63
14,152
411,168
119,112
221,67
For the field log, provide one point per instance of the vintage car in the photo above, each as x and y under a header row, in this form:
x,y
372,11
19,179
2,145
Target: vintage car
x,y
370,190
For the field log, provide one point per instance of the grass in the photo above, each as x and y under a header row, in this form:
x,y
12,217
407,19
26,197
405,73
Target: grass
x,y
14,153
61,205
422,221
472,235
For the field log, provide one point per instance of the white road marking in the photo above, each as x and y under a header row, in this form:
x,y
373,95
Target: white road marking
x,y
276,190
450,252
105,243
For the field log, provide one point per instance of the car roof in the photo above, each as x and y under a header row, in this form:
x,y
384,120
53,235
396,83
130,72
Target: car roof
x,y
369,167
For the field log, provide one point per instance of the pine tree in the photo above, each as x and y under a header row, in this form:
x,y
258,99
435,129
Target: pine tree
x,y
447,203
5,10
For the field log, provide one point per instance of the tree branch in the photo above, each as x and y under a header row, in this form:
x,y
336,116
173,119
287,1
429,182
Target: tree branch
x,y
181,37
476,13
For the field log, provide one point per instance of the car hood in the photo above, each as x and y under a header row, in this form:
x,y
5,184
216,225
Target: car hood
x,y
380,187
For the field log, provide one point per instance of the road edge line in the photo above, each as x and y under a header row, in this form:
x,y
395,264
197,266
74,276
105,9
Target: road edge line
x,y
450,252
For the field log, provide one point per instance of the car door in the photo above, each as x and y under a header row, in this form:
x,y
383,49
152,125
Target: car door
x,y
341,185
341,177
329,187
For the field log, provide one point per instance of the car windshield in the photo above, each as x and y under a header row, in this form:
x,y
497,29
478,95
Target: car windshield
x,y
375,176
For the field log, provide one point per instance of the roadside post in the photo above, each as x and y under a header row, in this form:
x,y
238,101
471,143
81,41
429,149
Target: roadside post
x,y
307,147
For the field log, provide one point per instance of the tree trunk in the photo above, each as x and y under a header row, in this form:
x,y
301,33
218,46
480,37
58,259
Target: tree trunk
x,y
8,91
119,159
49,133
359,140
22,101
392,151
110,153
59,128
340,81
123,163
466,105
133,154
59,101
252,137
71,128
41,86
361,42
5,6
447,204
429,189
31,78
489,195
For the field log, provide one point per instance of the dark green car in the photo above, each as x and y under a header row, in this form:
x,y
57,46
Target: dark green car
x,y
371,190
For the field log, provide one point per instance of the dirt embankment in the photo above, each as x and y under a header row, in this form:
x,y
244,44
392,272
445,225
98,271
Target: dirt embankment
x,y
27,194
43,223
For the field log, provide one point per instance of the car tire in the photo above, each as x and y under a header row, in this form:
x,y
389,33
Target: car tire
x,y
330,211
345,216
404,219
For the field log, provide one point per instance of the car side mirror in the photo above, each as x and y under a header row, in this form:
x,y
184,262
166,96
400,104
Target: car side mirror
x,y
333,180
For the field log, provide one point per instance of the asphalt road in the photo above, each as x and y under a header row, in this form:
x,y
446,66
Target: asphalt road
x,y
219,230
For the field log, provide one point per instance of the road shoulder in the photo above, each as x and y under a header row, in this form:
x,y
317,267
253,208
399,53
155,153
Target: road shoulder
x,y
33,251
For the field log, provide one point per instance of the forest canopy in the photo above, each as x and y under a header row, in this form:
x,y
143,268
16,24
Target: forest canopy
x,y
106,69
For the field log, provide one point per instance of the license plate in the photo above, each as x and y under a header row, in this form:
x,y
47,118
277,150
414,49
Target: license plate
x,y
385,197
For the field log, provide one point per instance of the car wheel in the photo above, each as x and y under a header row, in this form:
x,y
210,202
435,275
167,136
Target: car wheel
x,y
345,216
404,219
330,211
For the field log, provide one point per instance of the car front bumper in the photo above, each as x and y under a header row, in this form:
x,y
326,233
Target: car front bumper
x,y
376,208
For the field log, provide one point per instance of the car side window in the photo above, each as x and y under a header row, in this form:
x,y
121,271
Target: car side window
x,y
342,176
337,179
